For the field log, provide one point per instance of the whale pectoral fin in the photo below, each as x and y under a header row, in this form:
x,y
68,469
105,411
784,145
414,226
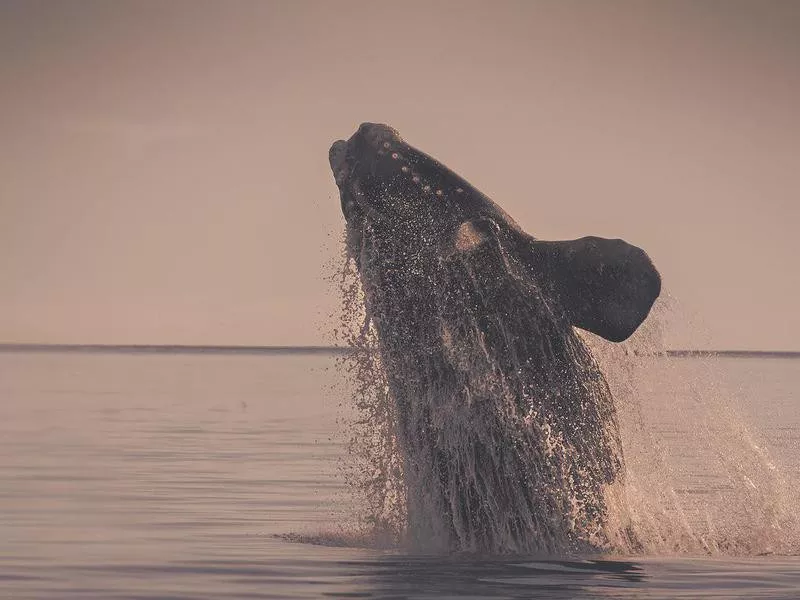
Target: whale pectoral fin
x,y
605,286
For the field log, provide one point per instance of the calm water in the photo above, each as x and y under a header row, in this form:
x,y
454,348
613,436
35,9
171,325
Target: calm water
x,y
174,476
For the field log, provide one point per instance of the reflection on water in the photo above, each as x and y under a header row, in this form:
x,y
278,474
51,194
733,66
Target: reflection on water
x,y
170,476
435,577
431,577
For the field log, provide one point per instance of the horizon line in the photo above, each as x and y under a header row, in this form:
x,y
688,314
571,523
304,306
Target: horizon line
x,y
315,349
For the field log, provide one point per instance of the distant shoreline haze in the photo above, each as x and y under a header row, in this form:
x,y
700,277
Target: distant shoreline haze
x,y
231,349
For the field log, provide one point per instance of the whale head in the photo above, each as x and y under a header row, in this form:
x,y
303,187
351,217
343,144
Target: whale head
x,y
408,212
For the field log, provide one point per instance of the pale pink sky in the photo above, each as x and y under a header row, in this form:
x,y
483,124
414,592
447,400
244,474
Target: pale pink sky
x,y
163,165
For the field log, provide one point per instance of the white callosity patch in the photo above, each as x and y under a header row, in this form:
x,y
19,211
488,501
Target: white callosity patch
x,y
468,237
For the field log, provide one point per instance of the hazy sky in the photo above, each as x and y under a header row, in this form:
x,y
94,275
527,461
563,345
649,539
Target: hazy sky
x,y
164,176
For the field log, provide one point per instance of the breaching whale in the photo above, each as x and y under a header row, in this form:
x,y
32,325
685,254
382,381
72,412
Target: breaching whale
x,y
505,423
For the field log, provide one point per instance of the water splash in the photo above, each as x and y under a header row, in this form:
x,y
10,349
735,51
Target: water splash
x,y
373,468
745,505
699,476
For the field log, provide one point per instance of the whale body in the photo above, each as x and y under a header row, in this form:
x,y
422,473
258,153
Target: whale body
x,y
505,423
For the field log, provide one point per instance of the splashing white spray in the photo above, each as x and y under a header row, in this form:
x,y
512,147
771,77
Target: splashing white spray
x,y
697,479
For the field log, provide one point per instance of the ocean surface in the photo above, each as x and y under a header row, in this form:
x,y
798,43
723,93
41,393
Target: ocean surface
x,y
206,475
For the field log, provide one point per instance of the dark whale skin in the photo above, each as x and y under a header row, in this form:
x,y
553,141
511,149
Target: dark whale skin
x,y
506,424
